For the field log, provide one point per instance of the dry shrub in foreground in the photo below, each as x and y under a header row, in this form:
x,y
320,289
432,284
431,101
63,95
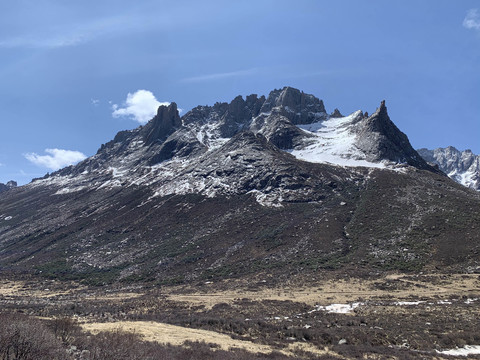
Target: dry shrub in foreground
x,y
119,345
24,338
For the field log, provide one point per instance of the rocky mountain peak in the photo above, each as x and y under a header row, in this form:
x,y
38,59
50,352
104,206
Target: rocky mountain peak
x,y
239,113
379,138
298,107
336,114
288,122
163,124
9,185
382,109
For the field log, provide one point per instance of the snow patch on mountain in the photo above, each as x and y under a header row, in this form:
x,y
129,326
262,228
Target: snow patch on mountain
x,y
209,134
334,143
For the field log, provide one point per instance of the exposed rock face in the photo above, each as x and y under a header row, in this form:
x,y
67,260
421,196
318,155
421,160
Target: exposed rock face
x,y
9,185
379,138
163,124
298,107
461,166
336,114
287,120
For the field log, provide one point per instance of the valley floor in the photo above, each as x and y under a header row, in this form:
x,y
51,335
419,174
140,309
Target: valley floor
x,y
396,316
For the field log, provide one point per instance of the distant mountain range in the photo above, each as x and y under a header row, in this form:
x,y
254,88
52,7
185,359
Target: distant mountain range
x,y
461,166
262,184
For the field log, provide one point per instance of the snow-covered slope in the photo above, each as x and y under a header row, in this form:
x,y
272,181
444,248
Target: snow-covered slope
x,y
461,166
333,141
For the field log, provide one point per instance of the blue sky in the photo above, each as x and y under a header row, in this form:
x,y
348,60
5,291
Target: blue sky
x,y
67,68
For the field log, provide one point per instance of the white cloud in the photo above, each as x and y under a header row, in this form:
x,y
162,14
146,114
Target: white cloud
x,y
218,76
472,20
140,106
57,158
95,102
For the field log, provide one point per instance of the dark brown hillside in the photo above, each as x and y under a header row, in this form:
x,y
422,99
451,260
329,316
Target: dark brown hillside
x,y
417,221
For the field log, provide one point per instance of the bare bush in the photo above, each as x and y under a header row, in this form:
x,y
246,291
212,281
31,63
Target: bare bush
x,y
65,329
24,338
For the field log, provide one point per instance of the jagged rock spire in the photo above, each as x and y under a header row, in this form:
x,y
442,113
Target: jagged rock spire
x,y
380,139
336,114
163,124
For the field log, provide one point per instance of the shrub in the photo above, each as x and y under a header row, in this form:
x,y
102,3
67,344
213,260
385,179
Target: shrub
x,y
24,338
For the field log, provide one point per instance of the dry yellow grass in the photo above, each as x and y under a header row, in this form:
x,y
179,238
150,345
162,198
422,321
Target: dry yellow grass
x,y
116,296
321,292
20,288
9,288
341,291
178,335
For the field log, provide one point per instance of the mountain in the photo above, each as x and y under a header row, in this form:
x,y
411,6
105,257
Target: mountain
x,y
9,185
262,184
461,166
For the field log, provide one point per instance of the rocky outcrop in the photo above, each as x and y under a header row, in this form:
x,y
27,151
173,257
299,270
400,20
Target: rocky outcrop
x,y
182,143
336,114
380,139
9,185
163,124
288,119
298,107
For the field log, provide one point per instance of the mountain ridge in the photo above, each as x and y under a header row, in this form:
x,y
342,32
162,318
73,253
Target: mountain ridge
x,y
289,119
461,166
232,190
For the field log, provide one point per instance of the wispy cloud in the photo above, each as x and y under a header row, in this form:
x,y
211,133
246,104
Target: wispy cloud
x,y
95,102
140,106
472,20
51,42
219,76
56,36
71,34
56,158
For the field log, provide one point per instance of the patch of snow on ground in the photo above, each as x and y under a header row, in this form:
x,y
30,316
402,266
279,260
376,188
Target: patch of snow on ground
x,y
334,143
408,303
339,308
444,302
269,200
68,190
465,351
